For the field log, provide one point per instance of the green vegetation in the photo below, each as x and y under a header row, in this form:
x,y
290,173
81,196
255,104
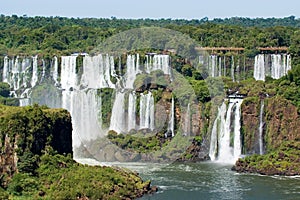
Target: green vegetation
x,y
283,161
138,142
41,141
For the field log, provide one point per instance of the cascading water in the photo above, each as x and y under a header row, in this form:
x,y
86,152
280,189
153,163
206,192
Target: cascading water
x,y
34,78
225,144
261,126
232,69
132,111
55,70
259,67
171,120
147,111
80,86
132,70
158,62
279,66
97,71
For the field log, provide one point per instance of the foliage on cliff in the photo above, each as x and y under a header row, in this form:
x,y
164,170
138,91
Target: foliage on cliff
x,y
36,160
283,161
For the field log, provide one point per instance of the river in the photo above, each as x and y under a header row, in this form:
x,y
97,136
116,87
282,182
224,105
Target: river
x,y
208,180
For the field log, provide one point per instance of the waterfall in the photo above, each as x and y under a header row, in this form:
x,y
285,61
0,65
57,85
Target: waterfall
x,y
147,111
78,88
68,74
132,111
261,126
232,69
5,74
24,102
55,70
132,70
117,120
279,66
225,143
34,78
171,120
259,67
237,130
158,62
213,65
97,71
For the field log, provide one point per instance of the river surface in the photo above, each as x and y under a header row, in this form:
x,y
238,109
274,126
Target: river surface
x,y
213,181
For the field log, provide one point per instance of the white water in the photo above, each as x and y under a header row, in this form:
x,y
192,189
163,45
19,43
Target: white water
x,y
279,66
261,125
232,69
171,119
259,67
131,111
147,111
158,62
132,70
221,149
34,78
79,87
68,73
55,70
117,120
97,71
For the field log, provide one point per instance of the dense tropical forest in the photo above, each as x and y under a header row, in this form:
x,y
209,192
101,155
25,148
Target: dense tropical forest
x,y
49,36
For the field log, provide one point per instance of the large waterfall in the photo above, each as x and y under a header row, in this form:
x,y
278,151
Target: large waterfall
x,y
225,144
81,87
274,65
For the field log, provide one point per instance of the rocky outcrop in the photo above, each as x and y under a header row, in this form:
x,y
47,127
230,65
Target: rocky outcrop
x,y
284,161
283,122
250,124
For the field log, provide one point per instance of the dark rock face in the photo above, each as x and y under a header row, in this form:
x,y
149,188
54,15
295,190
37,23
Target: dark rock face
x,y
283,122
282,139
250,123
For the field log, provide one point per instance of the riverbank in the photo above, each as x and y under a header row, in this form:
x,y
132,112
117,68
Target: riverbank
x,y
284,161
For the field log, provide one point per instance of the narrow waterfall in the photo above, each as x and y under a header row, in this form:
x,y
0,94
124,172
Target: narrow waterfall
x,y
132,70
171,120
232,69
187,122
237,151
261,126
68,74
213,65
259,67
55,70
117,120
5,74
225,144
147,111
43,71
34,78
132,111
